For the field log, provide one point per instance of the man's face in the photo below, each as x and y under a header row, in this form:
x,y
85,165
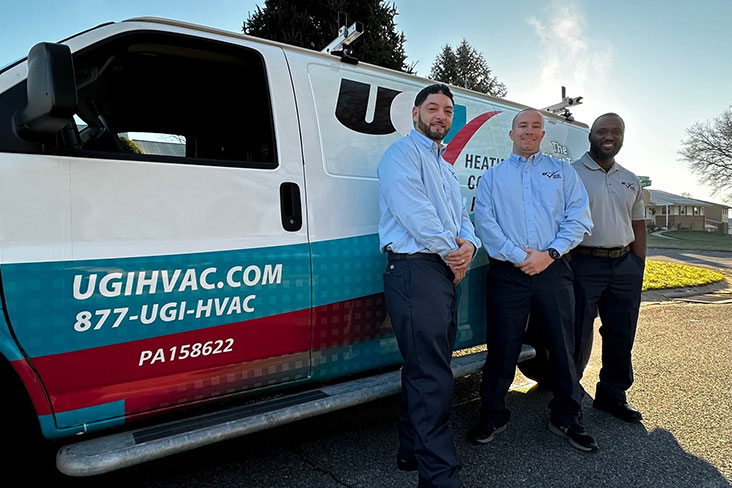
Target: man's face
x,y
527,133
434,117
606,137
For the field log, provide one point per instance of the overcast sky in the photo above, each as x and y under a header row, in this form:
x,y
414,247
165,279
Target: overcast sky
x,y
661,64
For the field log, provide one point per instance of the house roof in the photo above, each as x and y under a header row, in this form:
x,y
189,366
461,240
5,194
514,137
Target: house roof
x,y
659,197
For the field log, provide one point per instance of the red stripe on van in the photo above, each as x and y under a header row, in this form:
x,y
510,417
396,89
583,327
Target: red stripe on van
x,y
110,373
267,350
458,142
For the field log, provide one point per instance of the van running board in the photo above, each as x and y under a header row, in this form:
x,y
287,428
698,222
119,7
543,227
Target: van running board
x,y
116,451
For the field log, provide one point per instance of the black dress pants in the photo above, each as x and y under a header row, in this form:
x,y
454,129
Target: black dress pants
x,y
422,303
512,297
612,286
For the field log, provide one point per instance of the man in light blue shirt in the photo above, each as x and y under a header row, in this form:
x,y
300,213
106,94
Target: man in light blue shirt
x,y
430,241
530,210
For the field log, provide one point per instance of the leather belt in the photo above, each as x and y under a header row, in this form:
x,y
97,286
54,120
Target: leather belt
x,y
418,255
602,252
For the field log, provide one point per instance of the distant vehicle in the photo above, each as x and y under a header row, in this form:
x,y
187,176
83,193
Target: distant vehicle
x,y
139,281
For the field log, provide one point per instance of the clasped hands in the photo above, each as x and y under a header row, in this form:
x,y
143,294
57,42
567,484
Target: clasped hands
x,y
460,259
535,262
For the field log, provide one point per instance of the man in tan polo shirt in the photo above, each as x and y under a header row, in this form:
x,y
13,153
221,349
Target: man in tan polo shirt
x,y
608,266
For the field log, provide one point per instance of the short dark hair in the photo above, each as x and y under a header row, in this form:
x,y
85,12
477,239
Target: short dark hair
x,y
431,90
609,114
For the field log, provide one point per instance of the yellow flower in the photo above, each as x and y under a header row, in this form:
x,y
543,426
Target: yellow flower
x,y
660,274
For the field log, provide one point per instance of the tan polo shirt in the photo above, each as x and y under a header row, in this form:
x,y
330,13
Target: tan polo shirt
x,y
616,199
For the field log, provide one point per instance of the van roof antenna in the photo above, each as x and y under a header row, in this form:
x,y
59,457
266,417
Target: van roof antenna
x,y
561,107
341,45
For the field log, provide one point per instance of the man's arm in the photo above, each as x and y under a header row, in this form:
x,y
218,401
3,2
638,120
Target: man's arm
x,y
403,192
468,245
494,240
577,220
467,231
638,246
637,214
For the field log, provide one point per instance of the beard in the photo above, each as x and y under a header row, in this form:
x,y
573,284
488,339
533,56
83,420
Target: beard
x,y
434,135
604,154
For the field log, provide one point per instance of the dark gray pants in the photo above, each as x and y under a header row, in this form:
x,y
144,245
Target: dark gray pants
x,y
422,303
512,296
612,286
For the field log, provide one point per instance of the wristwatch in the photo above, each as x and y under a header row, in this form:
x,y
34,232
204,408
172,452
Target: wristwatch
x,y
553,253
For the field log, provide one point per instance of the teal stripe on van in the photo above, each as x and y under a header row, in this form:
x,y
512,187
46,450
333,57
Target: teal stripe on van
x,y
88,419
348,268
64,306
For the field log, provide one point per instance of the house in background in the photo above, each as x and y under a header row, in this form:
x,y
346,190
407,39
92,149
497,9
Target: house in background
x,y
670,211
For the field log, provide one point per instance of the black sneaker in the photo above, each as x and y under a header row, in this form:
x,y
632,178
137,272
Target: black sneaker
x,y
483,434
575,435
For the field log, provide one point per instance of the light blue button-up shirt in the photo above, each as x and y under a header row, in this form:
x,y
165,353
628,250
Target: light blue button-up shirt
x,y
421,206
535,203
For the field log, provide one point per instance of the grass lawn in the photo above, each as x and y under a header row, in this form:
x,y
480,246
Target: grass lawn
x,y
660,275
692,239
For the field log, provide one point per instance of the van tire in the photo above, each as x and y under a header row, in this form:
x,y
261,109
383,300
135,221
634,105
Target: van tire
x,y
536,368
27,450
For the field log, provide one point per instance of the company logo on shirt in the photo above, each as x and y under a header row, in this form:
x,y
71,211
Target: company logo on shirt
x,y
629,186
554,175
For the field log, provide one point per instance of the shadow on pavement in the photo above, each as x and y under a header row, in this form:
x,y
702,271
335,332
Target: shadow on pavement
x,y
356,448
527,454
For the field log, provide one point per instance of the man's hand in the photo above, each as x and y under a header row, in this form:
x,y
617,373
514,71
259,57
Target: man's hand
x,y
535,262
459,275
460,259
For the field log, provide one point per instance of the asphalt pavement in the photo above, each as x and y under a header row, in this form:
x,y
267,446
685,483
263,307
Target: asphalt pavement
x,y
717,260
683,365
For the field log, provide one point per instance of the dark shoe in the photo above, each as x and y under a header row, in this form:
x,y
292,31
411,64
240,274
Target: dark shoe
x,y
483,434
575,435
407,464
623,411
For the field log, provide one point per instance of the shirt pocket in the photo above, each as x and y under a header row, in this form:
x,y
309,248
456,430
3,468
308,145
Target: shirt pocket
x,y
550,193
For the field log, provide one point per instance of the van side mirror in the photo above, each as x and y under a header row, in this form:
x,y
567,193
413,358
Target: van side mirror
x,y
51,90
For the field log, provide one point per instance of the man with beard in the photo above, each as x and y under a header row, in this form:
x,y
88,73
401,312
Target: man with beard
x,y
530,210
608,266
430,241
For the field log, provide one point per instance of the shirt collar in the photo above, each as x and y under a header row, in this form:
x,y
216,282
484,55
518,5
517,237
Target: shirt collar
x,y
515,159
425,141
592,164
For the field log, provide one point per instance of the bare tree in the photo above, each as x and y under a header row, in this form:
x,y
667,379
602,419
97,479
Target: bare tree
x,y
708,150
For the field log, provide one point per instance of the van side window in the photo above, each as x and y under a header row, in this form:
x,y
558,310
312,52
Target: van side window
x,y
165,97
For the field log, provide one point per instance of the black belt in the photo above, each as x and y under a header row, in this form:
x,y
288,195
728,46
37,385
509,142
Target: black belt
x,y
418,255
602,252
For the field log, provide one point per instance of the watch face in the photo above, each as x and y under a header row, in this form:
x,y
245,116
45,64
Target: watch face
x,y
554,253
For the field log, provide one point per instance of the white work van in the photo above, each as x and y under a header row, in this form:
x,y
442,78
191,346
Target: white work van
x,y
188,217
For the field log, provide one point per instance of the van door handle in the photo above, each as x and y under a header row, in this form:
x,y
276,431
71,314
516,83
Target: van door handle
x,y
290,207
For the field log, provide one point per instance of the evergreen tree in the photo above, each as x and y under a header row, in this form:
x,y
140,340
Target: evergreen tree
x,y
314,25
466,67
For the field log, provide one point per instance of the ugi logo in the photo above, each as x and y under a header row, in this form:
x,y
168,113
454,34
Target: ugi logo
x,y
353,100
553,175
629,186
352,106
